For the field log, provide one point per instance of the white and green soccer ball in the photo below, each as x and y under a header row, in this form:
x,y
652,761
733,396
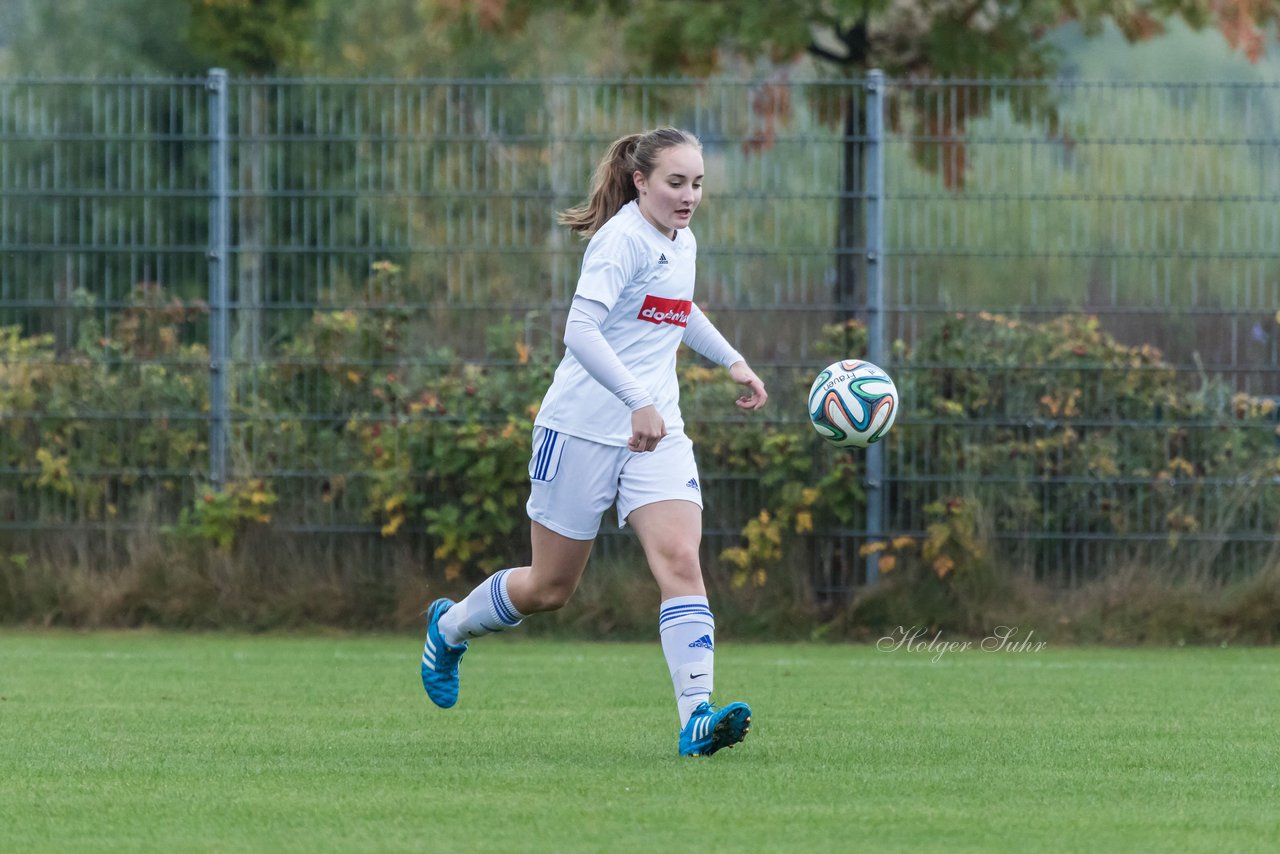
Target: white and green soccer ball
x,y
852,403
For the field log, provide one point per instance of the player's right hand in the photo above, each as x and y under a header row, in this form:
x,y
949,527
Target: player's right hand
x,y
647,429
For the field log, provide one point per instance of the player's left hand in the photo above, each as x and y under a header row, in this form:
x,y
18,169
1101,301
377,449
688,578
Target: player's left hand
x,y
755,396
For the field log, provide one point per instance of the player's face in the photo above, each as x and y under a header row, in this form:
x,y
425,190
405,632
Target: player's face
x,y
670,194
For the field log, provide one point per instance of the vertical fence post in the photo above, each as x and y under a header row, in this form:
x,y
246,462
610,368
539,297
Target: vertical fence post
x,y
558,99
876,352
219,260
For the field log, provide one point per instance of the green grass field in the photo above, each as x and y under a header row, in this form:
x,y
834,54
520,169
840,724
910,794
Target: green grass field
x,y
189,742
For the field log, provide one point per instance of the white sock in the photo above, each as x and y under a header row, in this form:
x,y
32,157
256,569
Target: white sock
x,y
486,610
688,634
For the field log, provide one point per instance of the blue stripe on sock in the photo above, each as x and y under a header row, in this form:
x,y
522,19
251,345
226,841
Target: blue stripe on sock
x,y
676,609
506,599
697,617
684,613
496,603
505,612
703,617
508,612
498,608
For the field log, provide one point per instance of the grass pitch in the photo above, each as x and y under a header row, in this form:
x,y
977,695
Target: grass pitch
x,y
187,742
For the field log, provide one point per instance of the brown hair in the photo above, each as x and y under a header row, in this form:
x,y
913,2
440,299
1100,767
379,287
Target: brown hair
x,y
612,185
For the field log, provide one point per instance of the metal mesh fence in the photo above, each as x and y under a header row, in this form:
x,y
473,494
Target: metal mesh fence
x,y
1151,208
378,233
104,195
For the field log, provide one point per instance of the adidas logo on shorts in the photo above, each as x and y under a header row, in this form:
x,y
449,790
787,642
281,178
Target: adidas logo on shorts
x,y
693,483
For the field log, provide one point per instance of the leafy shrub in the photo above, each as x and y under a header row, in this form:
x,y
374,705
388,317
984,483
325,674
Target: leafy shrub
x,y
87,427
220,516
1039,429
1030,433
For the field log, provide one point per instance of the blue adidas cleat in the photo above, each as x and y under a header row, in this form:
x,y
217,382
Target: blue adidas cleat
x,y
710,729
440,659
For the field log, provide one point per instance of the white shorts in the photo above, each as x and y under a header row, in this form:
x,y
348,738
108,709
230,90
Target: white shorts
x,y
573,481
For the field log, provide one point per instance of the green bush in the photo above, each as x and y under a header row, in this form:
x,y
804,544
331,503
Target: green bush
x,y
86,427
1031,434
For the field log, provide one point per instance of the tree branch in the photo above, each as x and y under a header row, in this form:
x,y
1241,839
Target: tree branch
x,y
856,40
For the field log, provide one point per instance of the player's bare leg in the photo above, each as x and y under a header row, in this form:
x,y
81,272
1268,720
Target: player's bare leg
x,y
671,533
549,582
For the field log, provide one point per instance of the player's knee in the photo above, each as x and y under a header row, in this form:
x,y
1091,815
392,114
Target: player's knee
x,y
681,563
551,595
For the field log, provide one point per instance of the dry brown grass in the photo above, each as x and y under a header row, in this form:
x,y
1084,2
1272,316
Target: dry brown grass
x,y
275,582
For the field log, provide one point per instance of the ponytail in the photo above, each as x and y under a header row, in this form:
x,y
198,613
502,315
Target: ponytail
x,y
613,184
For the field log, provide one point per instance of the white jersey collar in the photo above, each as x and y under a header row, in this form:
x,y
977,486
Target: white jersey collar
x,y
680,241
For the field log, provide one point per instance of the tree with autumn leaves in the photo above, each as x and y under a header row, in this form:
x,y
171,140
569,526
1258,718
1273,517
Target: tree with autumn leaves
x,y
843,39
904,38
955,39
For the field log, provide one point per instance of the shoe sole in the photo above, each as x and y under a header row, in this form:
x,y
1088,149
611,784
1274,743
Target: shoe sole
x,y
729,730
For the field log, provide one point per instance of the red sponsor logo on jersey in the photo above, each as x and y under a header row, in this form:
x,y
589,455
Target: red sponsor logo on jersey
x,y
659,310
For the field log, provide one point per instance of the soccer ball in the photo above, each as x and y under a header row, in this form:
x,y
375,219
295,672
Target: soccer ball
x,y
852,403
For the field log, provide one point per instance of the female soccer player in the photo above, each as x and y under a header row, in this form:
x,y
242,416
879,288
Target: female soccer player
x,y
610,431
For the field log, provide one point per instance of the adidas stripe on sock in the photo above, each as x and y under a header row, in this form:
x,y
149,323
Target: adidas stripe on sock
x,y
485,610
688,633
